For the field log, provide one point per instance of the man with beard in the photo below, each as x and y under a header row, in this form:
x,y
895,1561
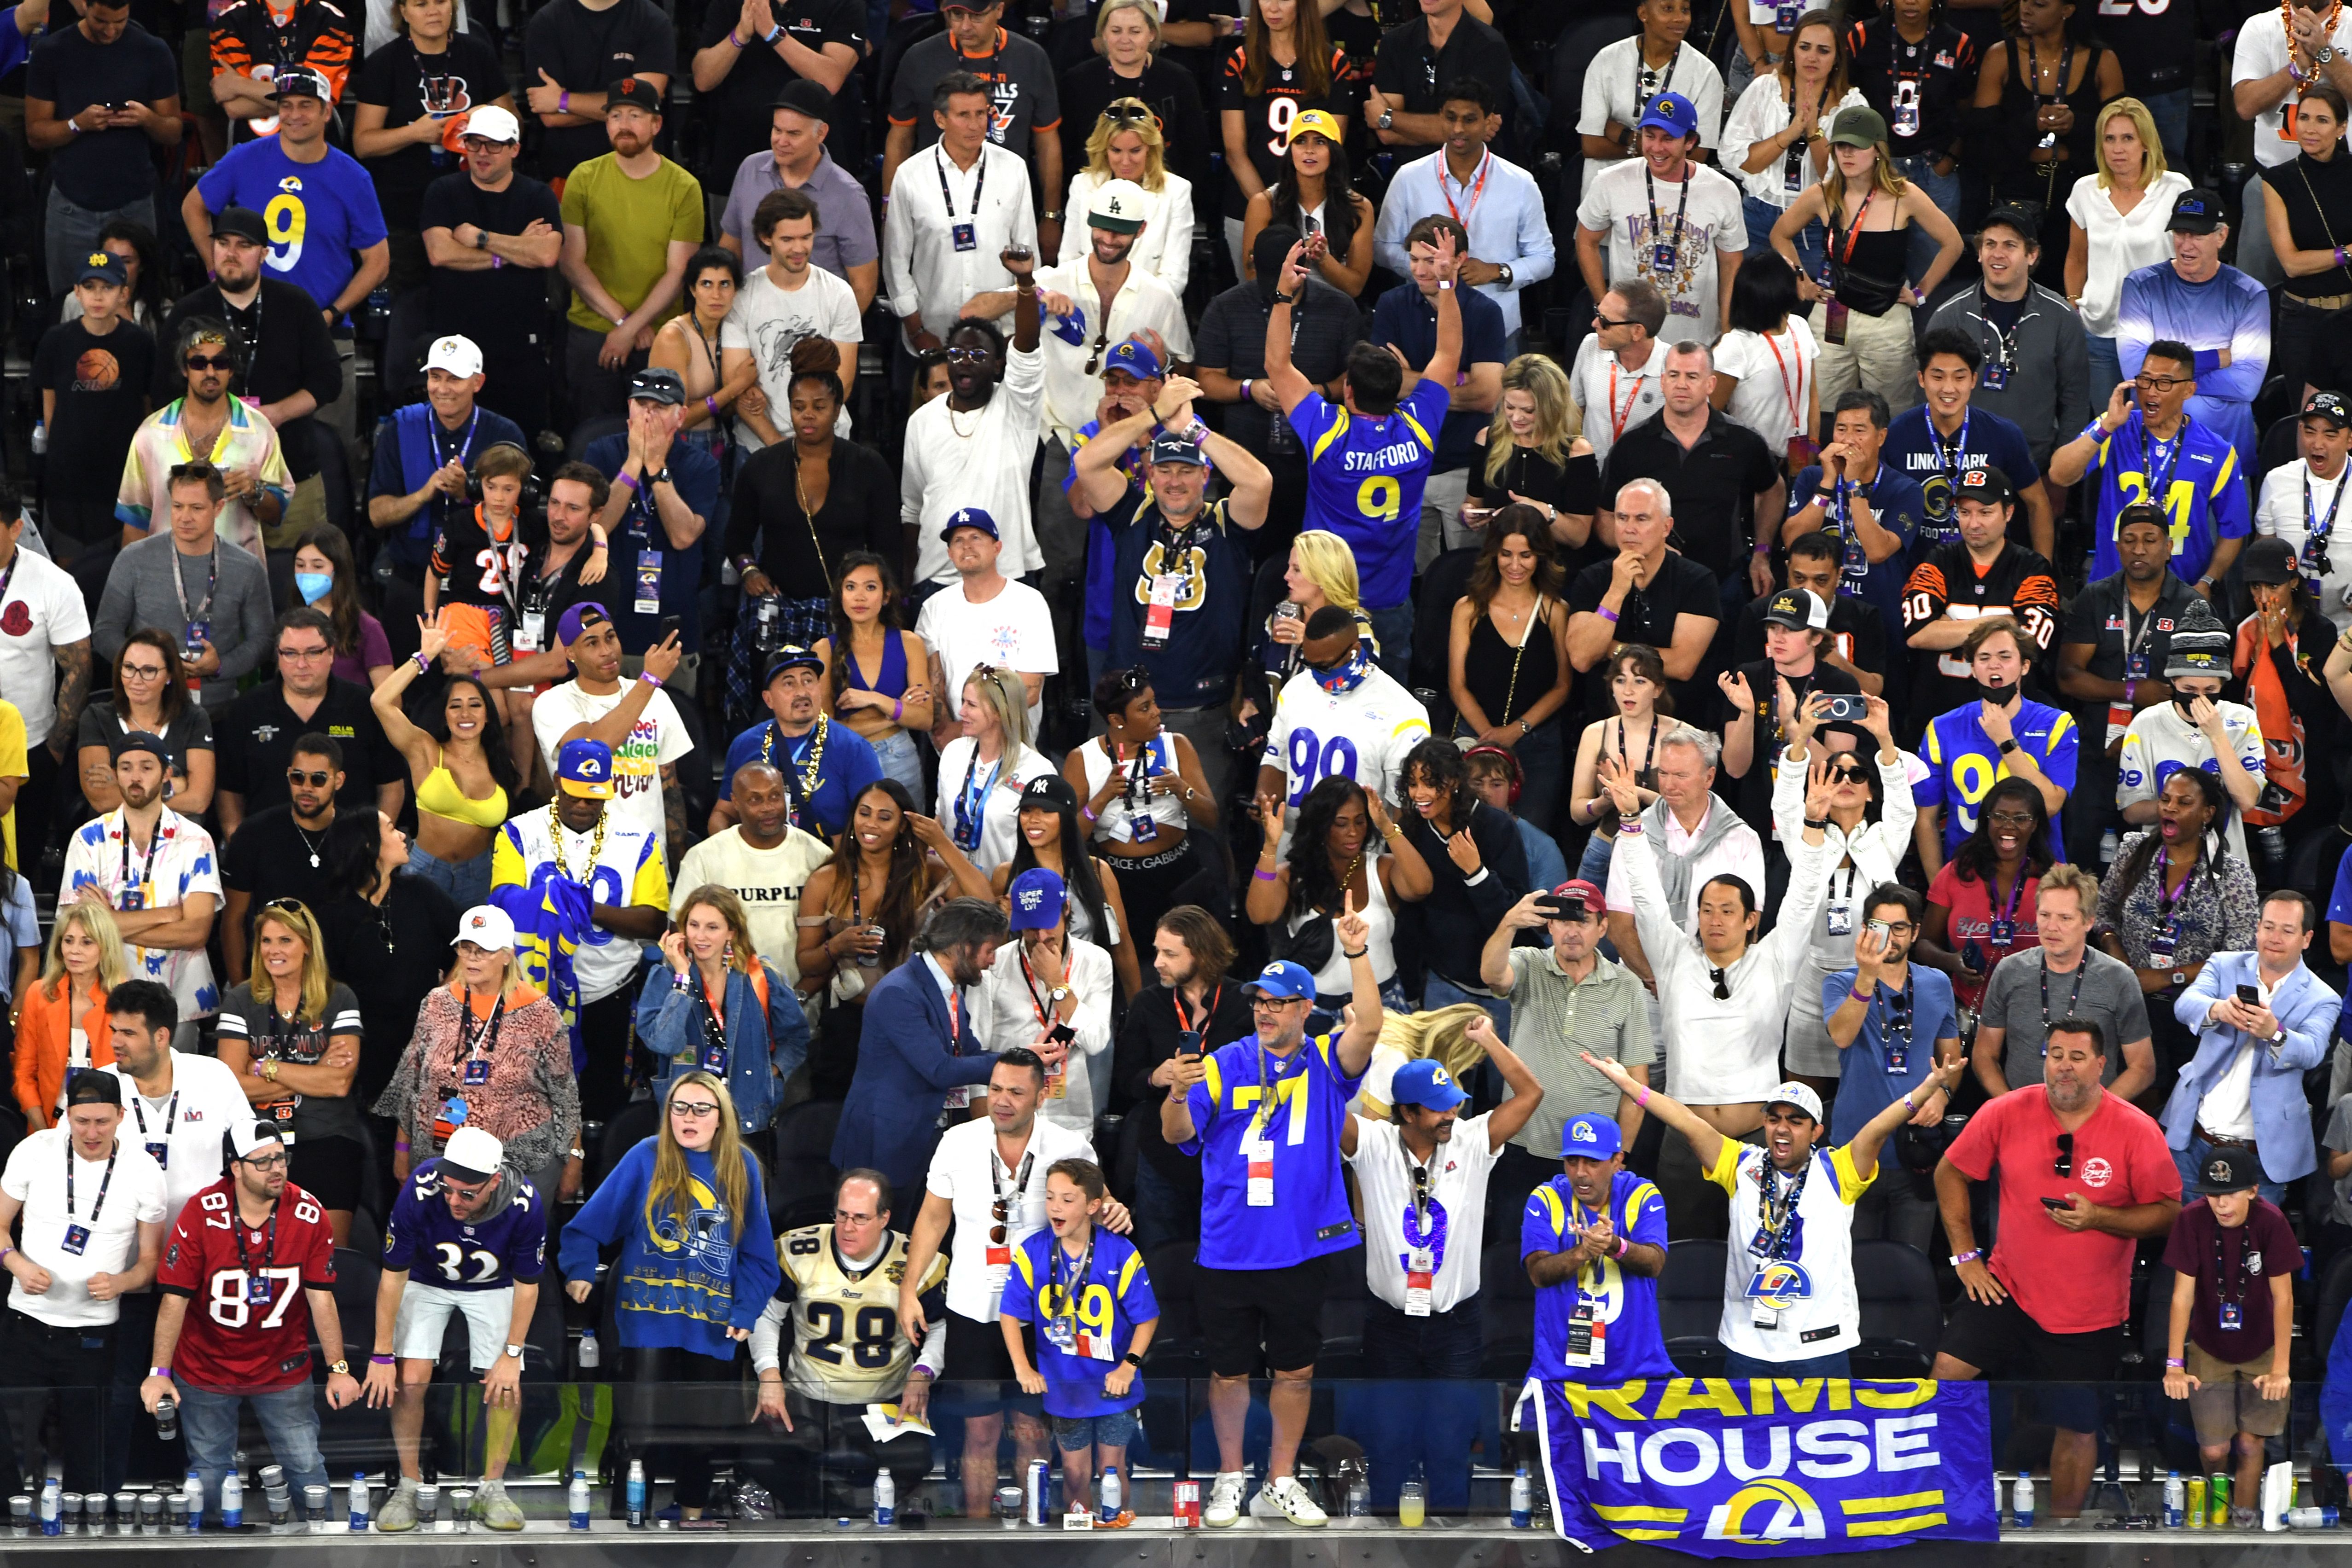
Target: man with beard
x,y
984,618
763,860
2037,365
1594,1242
417,483
256,737
204,426
492,236
665,494
2084,1176
1999,734
779,304
825,765
1963,581
211,597
1190,1005
632,220
274,854
164,908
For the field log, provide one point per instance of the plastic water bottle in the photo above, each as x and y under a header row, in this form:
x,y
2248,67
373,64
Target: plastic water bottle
x,y
1359,1498
52,1504
2109,842
2025,1503
589,1357
192,1489
1523,1495
1111,1498
359,1509
2311,1519
232,1501
577,1500
2176,1500
637,1494
886,1499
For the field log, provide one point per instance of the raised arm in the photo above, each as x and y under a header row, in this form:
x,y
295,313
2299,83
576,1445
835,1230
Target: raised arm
x,y
1705,1141
1863,1147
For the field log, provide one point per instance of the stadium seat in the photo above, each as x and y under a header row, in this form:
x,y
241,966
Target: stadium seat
x,y
636,1121
1690,1306
800,1185
1508,1311
1901,1317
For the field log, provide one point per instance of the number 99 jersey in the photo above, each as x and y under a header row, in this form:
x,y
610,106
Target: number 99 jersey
x,y
846,1347
248,1323
492,1251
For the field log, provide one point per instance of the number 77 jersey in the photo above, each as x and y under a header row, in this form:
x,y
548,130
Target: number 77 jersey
x,y
1361,733
248,1323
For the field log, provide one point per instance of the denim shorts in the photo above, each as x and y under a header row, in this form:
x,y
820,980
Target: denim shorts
x,y
1077,1434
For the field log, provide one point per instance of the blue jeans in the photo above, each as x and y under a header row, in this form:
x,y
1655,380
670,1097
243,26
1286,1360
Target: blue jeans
x,y
1738,1365
901,759
1426,1410
467,883
1944,191
2190,1162
289,1421
1437,991
1393,627
2170,112
70,232
2107,370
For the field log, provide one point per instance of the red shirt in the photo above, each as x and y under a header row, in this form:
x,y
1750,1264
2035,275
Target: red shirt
x,y
1970,920
231,1342
2068,1282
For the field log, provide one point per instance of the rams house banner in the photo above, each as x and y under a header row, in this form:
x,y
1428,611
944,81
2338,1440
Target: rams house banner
x,y
1769,1468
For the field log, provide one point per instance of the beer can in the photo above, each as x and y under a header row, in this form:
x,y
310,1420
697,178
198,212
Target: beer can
x,y
2196,1503
1037,1503
1188,1505
2218,1488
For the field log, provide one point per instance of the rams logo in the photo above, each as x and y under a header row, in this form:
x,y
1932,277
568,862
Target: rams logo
x,y
1779,1284
1582,1132
589,768
1794,1515
703,1237
290,184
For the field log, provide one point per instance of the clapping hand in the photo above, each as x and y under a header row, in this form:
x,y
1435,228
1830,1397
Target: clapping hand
x,y
1737,691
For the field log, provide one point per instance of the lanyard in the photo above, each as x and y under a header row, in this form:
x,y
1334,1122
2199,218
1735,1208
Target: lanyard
x,y
212,581
1020,1185
1262,1118
714,1013
971,805
2315,532
1649,753
1477,190
1790,386
2135,637
104,1182
465,453
1898,1011
2150,448
147,869
1616,420
1029,979
979,181
1576,1222
1948,459
2004,342
2016,892
1841,899
1779,1211
170,1113
2165,906
1086,1269
1640,69
2081,964
1854,233
2235,1289
800,778
482,1045
1657,230
270,1237
2066,70
1177,996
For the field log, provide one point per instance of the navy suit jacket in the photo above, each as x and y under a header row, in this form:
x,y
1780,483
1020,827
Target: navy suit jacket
x,y
890,1121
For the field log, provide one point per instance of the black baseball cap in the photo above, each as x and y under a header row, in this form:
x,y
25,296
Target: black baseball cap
x,y
1050,790
2197,212
2228,1168
802,96
635,93
131,740
88,1086
2329,406
1986,483
2268,560
243,223
655,384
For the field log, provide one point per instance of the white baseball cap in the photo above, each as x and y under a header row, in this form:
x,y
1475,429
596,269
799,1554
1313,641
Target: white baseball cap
x,y
486,926
1117,206
471,1155
493,123
457,355
1799,1095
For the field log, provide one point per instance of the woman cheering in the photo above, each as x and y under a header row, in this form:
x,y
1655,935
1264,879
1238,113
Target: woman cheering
x,y
2174,897
1332,869
1145,792
459,765
724,1012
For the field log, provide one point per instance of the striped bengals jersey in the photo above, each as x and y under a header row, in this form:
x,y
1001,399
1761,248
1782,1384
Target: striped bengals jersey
x,y
1949,584
847,1345
256,38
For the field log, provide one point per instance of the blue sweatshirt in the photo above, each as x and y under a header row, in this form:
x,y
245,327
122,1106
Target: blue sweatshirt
x,y
676,1292
2229,310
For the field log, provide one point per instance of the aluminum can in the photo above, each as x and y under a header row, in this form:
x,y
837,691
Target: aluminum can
x,y
1037,1501
1188,1505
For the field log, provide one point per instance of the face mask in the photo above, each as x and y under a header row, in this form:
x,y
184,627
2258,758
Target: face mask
x,y
2184,705
1347,675
2000,697
314,585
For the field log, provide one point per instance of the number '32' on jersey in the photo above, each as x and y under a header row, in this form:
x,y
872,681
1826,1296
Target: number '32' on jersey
x,y
489,1253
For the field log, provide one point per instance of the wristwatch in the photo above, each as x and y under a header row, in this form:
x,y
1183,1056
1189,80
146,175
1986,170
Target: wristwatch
x,y
481,239
1133,1359
1056,994
661,479
515,1351
1388,119
340,1368
1506,278
2326,54
2007,746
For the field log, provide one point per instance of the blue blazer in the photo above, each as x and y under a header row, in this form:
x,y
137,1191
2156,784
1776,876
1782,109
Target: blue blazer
x,y
2307,1009
905,1068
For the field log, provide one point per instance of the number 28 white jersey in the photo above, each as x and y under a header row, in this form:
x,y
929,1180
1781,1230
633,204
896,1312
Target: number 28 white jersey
x,y
1361,735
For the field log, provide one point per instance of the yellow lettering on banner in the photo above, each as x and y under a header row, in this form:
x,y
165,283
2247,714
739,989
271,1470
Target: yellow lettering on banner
x,y
1617,1402
1698,1394
1899,1395
1798,1394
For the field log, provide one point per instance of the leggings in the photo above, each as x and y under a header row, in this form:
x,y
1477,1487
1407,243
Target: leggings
x,y
665,1417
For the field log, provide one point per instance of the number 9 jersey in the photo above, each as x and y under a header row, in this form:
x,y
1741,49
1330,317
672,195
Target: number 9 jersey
x,y
249,1324
504,1245
846,1347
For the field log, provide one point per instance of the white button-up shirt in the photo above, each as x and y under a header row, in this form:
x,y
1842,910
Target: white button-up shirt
x,y
1500,206
978,457
924,272
1614,399
2281,515
1069,342
1008,1002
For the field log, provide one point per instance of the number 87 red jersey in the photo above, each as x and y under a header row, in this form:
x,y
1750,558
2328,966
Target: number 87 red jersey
x,y
248,1328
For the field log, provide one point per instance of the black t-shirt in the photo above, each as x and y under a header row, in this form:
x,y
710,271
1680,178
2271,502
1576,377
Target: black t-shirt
x,y
504,304
272,856
1572,486
737,108
545,595
1752,790
254,738
102,384
1323,326
1939,73
390,956
284,347
1682,587
1409,70
102,170
1167,88
588,51
1266,116
1712,484
407,85
1857,634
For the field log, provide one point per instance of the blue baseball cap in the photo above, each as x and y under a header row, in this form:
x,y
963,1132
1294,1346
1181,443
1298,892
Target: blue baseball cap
x,y
1282,978
1590,1137
578,619
969,517
1137,360
1169,448
585,768
1037,896
1671,112
1424,1082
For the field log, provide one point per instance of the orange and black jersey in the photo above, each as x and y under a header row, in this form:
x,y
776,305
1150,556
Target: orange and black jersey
x,y
475,569
1949,583
256,38
1266,119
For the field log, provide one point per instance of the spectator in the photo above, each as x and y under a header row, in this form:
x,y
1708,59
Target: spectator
x,y
1638,692
1051,835
225,1357
523,1096
983,772
1015,74
45,671
2085,1176
1727,487
1766,323
764,862
135,245
985,620
1496,779
1869,510
1261,1278
656,521
1477,867
1609,122
2242,1092
265,862
1048,987
2002,734
575,55
324,572
1692,262
725,1011
2222,1323
932,274
420,483
535,851
1647,593
108,89
1191,955
632,220
151,697
403,101
1696,845
306,697
688,346
2218,312
1776,142
1624,341
386,934
1760,701
782,305
1419,62
254,44
1147,790
1530,454
94,374
2294,703
1512,249
798,159
1326,864
1128,142
1320,569
891,705
1982,903
479,222
165,914
1286,66
238,440
800,740
754,58
474,1213
1596,1217
1339,716
949,471
691,1283
555,575
62,1021
1956,587
462,771
1920,68
2035,365
76,1266
1933,444
2013,1025
636,719
1505,609
2321,442
2163,913
2036,141
1857,641
2195,730
1312,196
2116,226
2271,60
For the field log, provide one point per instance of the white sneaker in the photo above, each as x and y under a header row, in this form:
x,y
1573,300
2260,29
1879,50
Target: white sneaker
x,y
1283,1498
1225,1505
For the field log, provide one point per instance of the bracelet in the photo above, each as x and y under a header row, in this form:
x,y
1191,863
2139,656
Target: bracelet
x,y
626,477
1606,614
384,1360
2173,1364
1198,430
710,405
164,1372
739,42
4,1250
1352,957
1643,1097
1633,827
650,679
562,103
1265,876
1858,994
2340,255
1245,387
897,710
423,666
1622,1245
1090,814
1821,822
1971,1256
576,1154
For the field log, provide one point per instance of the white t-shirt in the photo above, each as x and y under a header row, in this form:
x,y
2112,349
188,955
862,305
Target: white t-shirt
x,y
1761,113
1618,202
52,615
1770,384
2227,1111
979,457
1618,84
36,1177
767,883
1006,1011
1613,398
1014,631
770,320
2120,244
658,737
2160,741
1361,735
2280,514
205,1101
1458,1186
999,803
967,1172
1816,1291
2261,52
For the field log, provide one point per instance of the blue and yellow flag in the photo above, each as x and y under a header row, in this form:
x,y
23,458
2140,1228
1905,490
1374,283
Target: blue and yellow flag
x,y
551,919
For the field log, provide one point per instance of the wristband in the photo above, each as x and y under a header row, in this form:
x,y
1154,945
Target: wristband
x,y
1090,814
384,1360
1643,1097
1971,1256
164,1372
650,679
423,666
1246,388
739,42
1198,430
1352,957
897,710
2340,255
2173,1364
1763,549
4,1250
594,543
400,1145
1858,994
1606,614
1622,1245
625,478
1633,827
1259,875
710,405
1906,1103
1821,822
497,261
562,103
773,34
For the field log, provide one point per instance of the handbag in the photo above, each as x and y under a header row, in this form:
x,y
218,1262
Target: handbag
x,y
1310,947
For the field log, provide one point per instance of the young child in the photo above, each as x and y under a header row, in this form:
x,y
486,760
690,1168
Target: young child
x,y
1085,1290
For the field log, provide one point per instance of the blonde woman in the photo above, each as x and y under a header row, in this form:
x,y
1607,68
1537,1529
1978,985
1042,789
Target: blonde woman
x,y
61,1017
292,1035
1868,209
2115,225
687,1211
723,1010
1128,143
490,1038
984,770
1442,1035
1126,63
1322,571
1533,455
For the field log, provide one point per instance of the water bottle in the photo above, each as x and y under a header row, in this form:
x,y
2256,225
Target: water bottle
x,y
2176,1500
886,1499
588,1354
167,1419
192,1489
577,1500
637,1494
1359,1498
2109,842
232,1501
359,1510
52,1506
1111,1496
40,440
2024,1502
1522,1500
2311,1519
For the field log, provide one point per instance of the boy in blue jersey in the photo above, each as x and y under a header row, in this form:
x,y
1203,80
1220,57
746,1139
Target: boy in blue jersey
x,y
481,1231
1265,1115
1368,457
2157,453
1998,736
1086,1291
1594,1240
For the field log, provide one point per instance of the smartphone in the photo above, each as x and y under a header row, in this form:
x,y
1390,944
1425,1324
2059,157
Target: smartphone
x,y
1557,906
2055,1203
2249,996
1061,1034
1844,708
668,627
1878,928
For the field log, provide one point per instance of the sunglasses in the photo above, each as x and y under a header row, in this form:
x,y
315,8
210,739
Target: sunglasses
x,y
1722,983
1094,354
1603,321
1848,776
288,906
2065,1165
210,362
696,1109
967,356
998,1211
314,779
465,1194
1126,112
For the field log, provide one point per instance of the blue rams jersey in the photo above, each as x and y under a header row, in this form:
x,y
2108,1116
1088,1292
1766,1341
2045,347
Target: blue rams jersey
x,y
1364,479
2204,494
1309,1216
1114,1297
1627,1303
424,1239
1964,763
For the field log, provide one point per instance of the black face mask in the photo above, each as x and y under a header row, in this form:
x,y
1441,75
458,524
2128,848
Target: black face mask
x,y
2000,697
2184,705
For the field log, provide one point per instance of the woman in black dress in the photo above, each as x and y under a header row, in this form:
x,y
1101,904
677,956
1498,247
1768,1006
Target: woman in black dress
x,y
2307,202
2038,98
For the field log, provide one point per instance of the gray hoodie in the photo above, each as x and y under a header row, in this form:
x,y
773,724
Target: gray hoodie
x,y
2049,391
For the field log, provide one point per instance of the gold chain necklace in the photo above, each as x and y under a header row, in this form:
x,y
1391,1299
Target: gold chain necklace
x,y
816,755
555,832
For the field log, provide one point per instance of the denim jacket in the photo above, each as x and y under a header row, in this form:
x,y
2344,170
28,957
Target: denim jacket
x,y
762,1049
2306,1009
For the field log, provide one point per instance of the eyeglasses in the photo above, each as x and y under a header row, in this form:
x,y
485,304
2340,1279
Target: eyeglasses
x,y
210,362
2160,384
2065,1165
694,1109
1272,1004
1604,323
305,653
266,1161
967,356
1899,927
315,780
141,671
2012,819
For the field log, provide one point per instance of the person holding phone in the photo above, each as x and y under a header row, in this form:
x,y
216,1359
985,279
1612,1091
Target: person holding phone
x,y
1051,985
1756,726
1192,1004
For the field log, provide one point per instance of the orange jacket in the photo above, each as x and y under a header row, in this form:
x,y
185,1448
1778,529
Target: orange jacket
x,y
43,1042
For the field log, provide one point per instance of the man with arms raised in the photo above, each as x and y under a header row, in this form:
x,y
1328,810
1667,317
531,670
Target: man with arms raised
x,y
2063,977
1697,838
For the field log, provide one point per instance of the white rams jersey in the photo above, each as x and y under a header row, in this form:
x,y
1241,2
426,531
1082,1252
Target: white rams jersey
x,y
1808,1297
1361,735
846,1347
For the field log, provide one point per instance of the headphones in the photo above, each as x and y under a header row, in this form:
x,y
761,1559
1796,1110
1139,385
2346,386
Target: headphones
x,y
528,502
1510,763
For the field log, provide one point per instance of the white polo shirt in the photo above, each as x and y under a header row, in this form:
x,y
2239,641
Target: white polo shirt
x,y
1457,1195
205,1101
967,1172
1614,399
35,1177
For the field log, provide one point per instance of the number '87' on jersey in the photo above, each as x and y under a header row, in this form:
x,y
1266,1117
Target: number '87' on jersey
x,y
489,1253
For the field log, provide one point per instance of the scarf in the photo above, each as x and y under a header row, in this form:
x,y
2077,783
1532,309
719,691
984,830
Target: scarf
x,y
1674,870
2283,738
1347,677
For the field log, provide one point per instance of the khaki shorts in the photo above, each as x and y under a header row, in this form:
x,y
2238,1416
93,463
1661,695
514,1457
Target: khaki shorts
x,y
2225,1402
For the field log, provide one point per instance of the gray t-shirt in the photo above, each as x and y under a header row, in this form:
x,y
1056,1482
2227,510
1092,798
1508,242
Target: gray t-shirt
x,y
2337,1139
2012,1001
1554,1019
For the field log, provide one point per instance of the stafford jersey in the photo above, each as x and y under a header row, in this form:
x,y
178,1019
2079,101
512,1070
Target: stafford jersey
x,y
1362,734
249,1324
1297,1104
626,868
846,1347
1804,1289
1364,479
484,1254
1626,1303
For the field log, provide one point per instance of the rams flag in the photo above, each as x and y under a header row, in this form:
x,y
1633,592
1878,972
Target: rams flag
x,y
551,920
1769,1467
